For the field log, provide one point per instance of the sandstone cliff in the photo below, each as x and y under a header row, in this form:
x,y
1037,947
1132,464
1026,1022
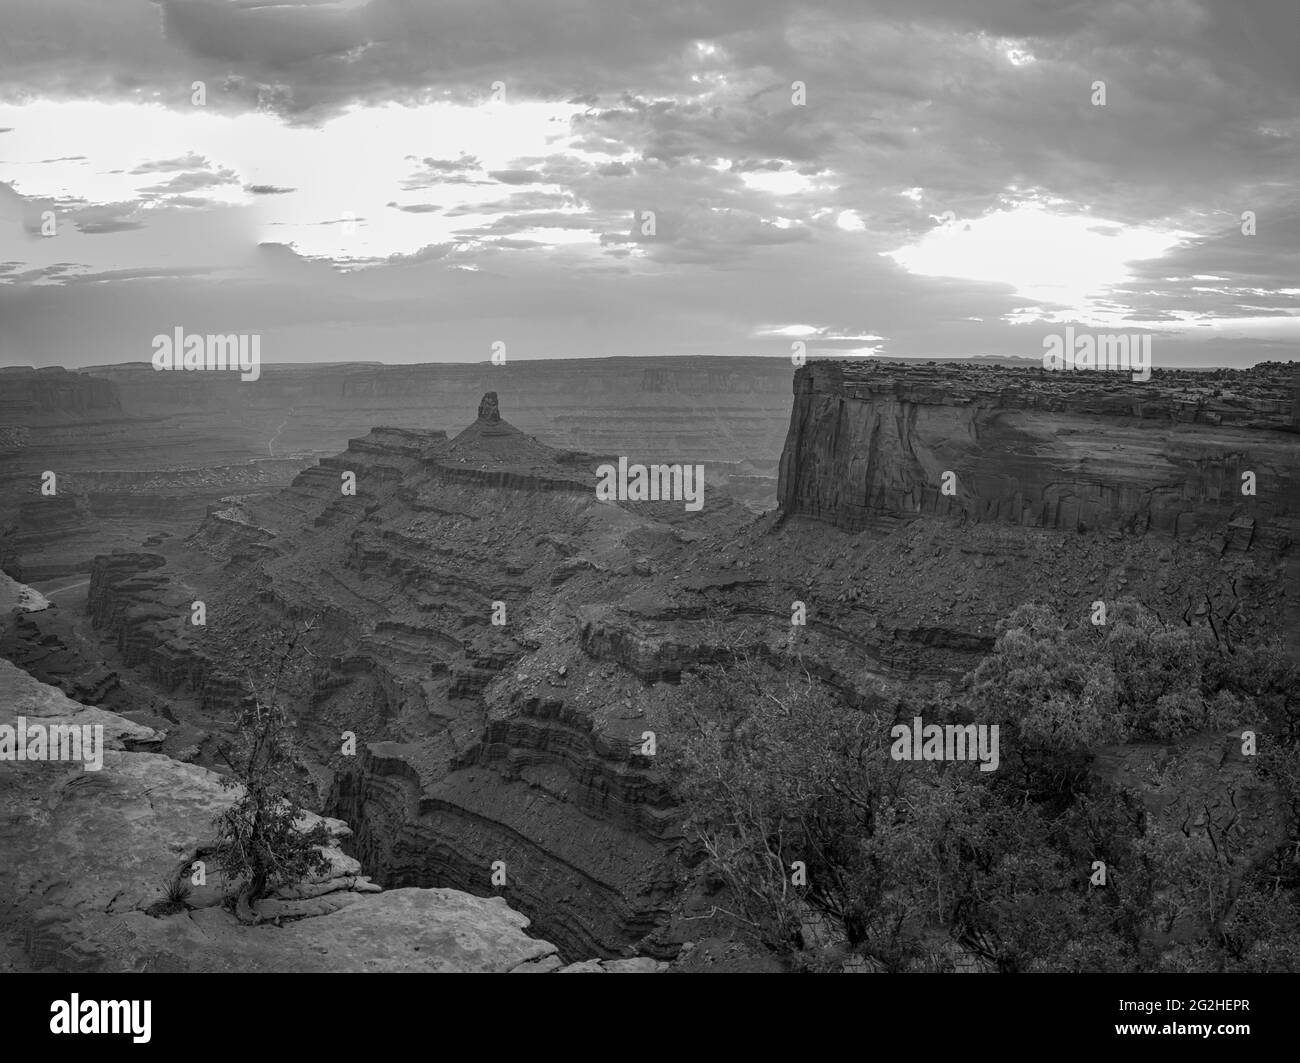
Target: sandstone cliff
x,y
870,442
1209,459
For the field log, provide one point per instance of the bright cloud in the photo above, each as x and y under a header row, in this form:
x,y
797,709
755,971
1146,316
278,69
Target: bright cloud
x,y
1066,259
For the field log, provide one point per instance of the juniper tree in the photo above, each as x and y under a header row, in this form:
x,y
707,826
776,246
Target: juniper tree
x,y
259,845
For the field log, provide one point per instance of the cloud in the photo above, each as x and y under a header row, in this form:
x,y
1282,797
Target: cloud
x,y
511,243
753,165
516,177
99,227
190,161
189,182
106,218
426,254
119,275
437,172
915,108
464,163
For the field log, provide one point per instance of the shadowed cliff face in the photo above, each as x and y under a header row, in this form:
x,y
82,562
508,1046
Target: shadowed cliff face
x,y
1206,458
871,443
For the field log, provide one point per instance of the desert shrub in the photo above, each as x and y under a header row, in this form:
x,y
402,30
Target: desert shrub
x,y
260,846
773,767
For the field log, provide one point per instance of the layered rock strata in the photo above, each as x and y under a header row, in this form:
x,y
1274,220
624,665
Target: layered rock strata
x,y
872,442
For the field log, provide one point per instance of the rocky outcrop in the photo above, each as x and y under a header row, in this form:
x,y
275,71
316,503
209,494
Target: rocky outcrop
x,y
88,854
1206,459
872,443
17,597
131,599
30,395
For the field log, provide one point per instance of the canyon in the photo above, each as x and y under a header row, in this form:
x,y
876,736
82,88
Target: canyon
x,y
81,885
521,743
140,450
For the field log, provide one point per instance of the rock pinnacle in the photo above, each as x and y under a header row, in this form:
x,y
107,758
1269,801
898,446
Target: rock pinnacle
x,y
488,409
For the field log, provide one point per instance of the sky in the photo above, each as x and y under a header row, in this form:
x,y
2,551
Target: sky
x,y
418,180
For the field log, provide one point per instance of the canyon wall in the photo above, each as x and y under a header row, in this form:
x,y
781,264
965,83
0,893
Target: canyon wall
x,y
870,443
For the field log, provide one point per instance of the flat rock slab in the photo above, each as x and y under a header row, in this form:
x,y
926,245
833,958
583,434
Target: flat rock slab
x,y
83,853
407,930
15,595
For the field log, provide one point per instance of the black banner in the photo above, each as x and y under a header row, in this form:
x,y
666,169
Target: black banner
x,y
338,1013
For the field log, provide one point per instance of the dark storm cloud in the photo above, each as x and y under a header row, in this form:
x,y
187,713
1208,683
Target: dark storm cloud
x,y
1250,270
671,131
701,235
